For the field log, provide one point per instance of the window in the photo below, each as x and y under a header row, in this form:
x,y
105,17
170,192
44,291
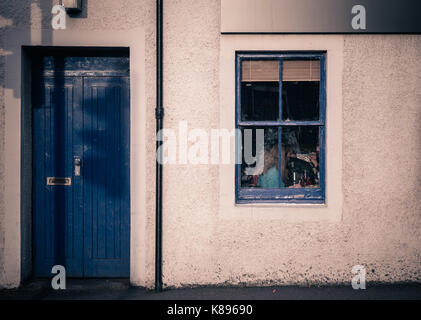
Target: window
x,y
280,117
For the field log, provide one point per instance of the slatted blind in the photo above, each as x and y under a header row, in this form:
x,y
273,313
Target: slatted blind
x,y
260,70
301,70
292,70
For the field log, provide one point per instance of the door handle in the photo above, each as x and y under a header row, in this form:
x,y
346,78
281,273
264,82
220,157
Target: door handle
x,y
77,163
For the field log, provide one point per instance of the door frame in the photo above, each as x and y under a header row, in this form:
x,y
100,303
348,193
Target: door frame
x,y
18,153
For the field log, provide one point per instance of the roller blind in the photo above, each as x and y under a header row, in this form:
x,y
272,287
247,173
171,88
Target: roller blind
x,y
292,70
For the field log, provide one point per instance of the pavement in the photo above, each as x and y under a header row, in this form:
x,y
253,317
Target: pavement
x,y
120,289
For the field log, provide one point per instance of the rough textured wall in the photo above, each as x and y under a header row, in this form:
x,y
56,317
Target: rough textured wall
x,y
191,93
1,165
3,25
382,153
381,225
381,222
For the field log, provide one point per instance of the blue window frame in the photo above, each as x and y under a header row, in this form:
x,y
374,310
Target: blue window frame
x,y
284,95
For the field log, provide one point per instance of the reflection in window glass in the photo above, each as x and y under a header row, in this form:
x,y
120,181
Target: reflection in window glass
x,y
259,101
260,90
300,90
300,155
300,100
261,171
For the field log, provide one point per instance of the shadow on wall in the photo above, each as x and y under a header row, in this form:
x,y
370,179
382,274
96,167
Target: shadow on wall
x,y
32,18
22,15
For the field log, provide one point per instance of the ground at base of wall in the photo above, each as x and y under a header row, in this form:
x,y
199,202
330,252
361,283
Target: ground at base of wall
x,y
119,289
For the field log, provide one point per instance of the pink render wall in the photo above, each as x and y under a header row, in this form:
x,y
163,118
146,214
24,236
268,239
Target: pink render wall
x,y
381,217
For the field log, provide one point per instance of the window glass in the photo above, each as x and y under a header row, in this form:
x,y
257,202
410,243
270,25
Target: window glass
x,y
300,90
260,90
260,158
259,101
300,154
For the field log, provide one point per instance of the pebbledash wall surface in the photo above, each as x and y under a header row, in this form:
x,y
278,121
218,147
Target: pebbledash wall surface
x,y
373,211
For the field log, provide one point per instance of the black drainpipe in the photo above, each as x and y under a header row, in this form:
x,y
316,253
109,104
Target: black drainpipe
x,y
159,115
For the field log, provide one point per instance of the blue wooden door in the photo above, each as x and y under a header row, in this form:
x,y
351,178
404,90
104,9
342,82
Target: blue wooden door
x,y
81,167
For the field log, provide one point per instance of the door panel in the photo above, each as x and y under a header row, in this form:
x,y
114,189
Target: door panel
x,y
84,226
107,176
57,118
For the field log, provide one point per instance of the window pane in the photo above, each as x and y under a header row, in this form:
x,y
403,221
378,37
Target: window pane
x,y
300,155
259,101
259,168
260,90
300,90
